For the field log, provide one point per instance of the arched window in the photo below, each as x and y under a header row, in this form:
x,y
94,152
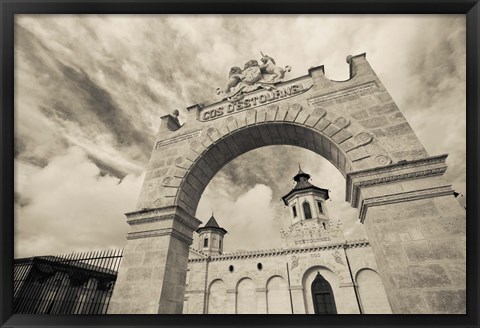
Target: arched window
x,y
307,211
294,209
205,242
323,301
320,209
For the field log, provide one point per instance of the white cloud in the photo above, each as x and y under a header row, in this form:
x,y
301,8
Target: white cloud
x,y
249,219
70,207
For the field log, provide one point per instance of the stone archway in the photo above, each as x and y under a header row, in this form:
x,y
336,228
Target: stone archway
x,y
398,188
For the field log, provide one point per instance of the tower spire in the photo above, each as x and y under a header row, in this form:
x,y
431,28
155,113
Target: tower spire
x,y
211,237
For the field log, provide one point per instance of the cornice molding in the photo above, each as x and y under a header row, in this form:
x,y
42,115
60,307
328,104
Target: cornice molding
x,y
160,232
403,197
407,170
174,212
280,252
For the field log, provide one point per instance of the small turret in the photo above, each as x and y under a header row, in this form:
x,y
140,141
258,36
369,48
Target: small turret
x,y
211,237
310,222
307,201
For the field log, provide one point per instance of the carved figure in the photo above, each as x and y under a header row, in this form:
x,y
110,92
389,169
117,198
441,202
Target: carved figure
x,y
234,77
294,262
250,63
252,77
269,67
338,258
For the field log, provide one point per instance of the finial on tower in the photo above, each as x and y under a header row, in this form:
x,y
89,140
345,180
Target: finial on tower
x,y
301,174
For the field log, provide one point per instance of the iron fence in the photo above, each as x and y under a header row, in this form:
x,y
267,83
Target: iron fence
x,y
77,283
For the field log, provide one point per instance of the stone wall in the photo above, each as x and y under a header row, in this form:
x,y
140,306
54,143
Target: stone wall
x,y
275,289
421,254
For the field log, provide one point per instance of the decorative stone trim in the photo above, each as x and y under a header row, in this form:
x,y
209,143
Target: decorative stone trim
x,y
162,214
197,252
197,291
346,284
151,211
426,167
383,159
280,252
401,165
295,287
403,197
158,233
215,277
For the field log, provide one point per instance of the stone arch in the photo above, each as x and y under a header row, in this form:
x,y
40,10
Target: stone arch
x,y
307,280
373,297
274,273
246,300
217,297
242,276
278,300
345,147
354,124
365,264
329,272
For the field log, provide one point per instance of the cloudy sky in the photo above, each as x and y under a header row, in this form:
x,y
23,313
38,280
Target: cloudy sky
x,y
90,90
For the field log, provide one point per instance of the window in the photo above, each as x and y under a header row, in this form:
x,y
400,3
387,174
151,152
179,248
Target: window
x,y
294,209
259,266
220,244
230,268
320,209
205,242
322,294
307,211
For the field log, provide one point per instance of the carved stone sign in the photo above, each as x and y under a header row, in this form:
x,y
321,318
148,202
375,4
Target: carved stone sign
x,y
254,100
342,93
183,137
312,241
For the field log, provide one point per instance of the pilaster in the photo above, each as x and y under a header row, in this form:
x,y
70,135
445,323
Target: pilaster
x,y
152,274
298,299
417,232
261,295
231,301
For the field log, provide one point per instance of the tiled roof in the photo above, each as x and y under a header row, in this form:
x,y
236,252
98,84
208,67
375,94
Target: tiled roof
x,y
303,184
212,224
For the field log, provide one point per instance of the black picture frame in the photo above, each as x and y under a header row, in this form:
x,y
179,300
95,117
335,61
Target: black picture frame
x,y
11,7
